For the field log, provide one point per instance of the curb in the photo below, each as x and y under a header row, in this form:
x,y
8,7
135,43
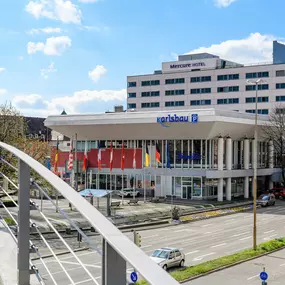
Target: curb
x,y
230,265
60,253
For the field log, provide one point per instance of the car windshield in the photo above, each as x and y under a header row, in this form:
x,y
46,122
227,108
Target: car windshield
x,y
160,254
265,198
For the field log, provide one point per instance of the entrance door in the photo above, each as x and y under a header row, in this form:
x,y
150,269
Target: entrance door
x,y
185,192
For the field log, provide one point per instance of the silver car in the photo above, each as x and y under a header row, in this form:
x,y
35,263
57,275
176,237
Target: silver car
x,y
266,200
168,257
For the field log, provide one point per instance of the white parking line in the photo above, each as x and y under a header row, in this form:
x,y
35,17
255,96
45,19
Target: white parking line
x,y
146,246
237,235
207,233
245,238
252,277
203,226
218,245
202,256
179,231
270,237
61,271
150,236
282,264
191,252
269,232
75,263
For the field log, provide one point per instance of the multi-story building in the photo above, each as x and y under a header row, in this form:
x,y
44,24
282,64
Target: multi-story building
x,y
205,80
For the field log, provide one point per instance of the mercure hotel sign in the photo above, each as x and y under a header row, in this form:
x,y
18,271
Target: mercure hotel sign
x,y
187,65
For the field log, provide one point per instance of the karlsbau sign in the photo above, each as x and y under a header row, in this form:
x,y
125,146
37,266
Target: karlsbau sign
x,y
175,66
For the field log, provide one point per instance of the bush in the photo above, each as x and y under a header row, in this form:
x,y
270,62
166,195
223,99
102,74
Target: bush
x,y
9,221
175,214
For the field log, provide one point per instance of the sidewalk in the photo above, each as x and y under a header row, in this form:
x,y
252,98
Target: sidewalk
x,y
248,272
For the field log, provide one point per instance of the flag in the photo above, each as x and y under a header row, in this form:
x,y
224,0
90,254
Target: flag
x,y
85,160
134,158
111,156
70,157
146,156
167,155
56,157
123,156
157,153
99,158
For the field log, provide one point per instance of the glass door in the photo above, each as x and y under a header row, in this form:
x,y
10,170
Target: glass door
x,y
184,192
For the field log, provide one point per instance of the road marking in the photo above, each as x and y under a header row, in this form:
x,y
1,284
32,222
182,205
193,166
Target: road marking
x,y
252,277
206,233
269,232
237,235
202,256
146,246
151,236
245,238
87,280
191,252
270,237
282,264
203,226
61,271
218,245
179,231
75,263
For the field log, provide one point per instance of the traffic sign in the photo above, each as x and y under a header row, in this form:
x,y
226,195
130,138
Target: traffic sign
x,y
194,118
263,276
134,277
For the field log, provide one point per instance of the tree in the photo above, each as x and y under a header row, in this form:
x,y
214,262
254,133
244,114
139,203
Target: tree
x,y
274,130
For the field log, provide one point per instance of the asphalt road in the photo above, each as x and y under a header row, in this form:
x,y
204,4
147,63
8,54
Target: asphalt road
x,y
200,241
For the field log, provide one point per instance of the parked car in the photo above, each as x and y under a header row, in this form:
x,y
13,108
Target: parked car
x,y
279,193
129,192
266,200
168,257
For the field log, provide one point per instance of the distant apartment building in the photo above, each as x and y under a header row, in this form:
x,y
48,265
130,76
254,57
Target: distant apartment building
x,y
205,80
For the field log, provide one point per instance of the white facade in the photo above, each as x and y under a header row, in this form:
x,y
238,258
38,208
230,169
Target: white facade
x,y
237,97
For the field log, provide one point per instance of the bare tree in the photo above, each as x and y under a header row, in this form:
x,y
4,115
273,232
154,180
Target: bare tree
x,y
274,130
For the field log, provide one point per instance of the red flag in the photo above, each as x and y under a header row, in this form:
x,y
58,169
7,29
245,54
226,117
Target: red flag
x,y
111,156
84,167
99,157
70,158
134,159
123,156
157,153
56,157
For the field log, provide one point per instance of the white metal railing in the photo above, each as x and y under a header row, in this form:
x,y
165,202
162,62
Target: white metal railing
x,y
117,249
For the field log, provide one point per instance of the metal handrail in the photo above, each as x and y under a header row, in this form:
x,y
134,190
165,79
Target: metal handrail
x,y
152,272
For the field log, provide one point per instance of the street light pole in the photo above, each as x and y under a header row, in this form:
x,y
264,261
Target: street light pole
x,y
256,82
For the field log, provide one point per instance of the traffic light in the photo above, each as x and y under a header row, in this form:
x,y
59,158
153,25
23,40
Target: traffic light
x,y
138,239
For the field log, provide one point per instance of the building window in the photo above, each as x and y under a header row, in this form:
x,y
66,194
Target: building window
x,y
150,105
228,89
228,77
200,102
280,98
175,81
280,111
200,79
228,101
200,91
150,94
150,82
174,92
132,95
174,103
280,85
280,73
259,100
132,84
259,111
257,74
132,105
260,87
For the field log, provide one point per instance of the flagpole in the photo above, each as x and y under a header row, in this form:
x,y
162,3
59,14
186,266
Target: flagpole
x,y
144,174
76,164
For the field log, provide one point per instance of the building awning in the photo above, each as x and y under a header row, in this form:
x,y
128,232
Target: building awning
x,y
98,193
277,177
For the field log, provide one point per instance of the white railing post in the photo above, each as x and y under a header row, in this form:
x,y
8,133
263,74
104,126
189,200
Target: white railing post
x,y
23,224
115,267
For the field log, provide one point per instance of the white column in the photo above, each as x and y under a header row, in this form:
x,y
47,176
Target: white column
x,y
271,154
246,166
235,154
220,167
229,155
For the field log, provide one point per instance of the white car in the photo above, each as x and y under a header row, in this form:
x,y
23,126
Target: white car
x,y
128,192
167,257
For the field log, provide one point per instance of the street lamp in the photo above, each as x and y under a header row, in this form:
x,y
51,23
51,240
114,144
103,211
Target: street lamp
x,y
255,82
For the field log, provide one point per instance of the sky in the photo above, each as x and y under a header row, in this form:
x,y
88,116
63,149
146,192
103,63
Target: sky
x,y
76,54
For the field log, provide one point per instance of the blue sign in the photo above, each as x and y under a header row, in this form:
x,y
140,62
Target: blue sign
x,y
194,118
263,276
134,277
176,119
194,156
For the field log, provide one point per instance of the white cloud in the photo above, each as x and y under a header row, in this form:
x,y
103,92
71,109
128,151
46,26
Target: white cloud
x,y
2,69
36,104
223,3
3,91
47,30
46,71
52,46
89,1
61,10
20,57
97,72
255,48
